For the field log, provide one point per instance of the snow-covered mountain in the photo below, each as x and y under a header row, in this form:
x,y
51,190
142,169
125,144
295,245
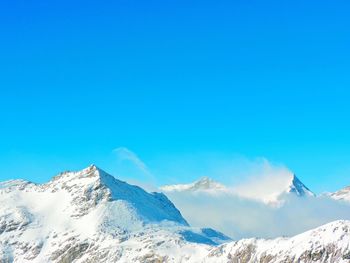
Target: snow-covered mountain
x,y
256,191
204,184
298,188
276,193
89,216
84,211
328,243
342,194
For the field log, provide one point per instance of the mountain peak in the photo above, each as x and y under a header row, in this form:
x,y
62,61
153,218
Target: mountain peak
x,y
92,185
92,171
90,216
206,183
271,192
342,194
79,210
298,188
203,184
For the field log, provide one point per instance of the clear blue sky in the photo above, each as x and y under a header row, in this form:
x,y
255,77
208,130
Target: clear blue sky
x,y
256,78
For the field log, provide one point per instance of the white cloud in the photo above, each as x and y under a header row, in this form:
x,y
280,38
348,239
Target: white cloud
x,y
237,213
243,218
124,154
244,210
131,168
265,183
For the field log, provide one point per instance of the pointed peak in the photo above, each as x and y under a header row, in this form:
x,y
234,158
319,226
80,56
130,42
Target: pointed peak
x,y
294,177
299,188
90,171
92,167
296,180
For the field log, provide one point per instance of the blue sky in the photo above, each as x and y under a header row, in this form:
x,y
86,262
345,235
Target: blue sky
x,y
174,79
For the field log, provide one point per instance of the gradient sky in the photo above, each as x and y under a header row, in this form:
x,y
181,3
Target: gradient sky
x,y
175,78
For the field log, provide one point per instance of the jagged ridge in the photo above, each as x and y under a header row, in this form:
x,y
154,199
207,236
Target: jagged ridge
x,y
77,212
89,216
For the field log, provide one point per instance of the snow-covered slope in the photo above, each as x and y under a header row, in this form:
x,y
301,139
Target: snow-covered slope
x,y
86,210
328,243
343,194
269,195
89,216
204,184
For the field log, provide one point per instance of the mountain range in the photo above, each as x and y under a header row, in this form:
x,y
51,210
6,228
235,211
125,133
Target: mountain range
x,y
90,216
291,186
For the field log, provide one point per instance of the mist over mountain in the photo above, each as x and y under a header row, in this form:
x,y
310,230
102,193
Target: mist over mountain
x,y
288,185
268,205
341,195
90,216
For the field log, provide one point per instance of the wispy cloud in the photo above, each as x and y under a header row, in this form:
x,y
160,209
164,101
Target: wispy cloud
x,y
244,218
265,183
124,154
243,212
238,213
127,161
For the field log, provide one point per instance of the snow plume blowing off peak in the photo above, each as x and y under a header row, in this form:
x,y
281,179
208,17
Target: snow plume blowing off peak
x,y
271,185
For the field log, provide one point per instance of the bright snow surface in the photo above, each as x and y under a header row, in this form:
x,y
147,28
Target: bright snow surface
x,y
343,194
89,216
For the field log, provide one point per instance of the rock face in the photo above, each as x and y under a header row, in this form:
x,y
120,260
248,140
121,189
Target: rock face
x,y
89,216
298,188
